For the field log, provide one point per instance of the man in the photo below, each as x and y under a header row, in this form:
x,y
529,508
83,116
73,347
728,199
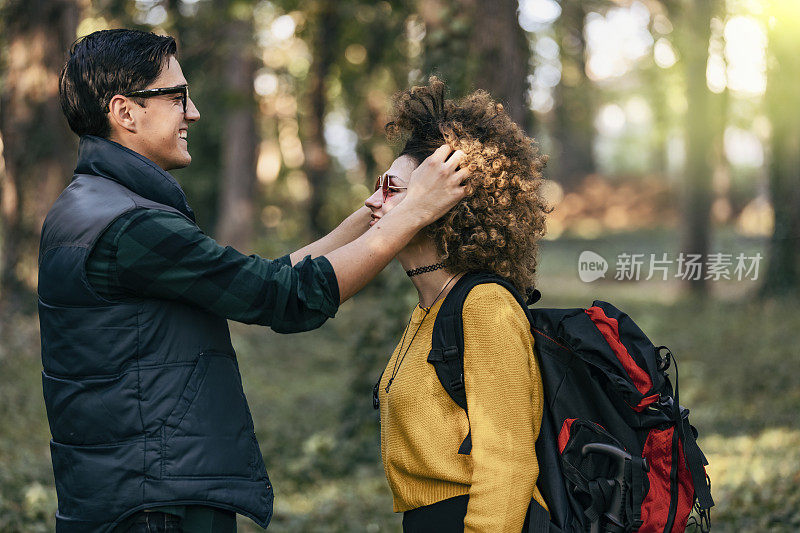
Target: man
x,y
151,429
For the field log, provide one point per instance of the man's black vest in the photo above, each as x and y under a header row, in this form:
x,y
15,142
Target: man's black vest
x,y
143,396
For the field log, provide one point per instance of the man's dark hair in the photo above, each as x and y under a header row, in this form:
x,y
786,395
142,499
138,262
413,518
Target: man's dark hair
x,y
103,64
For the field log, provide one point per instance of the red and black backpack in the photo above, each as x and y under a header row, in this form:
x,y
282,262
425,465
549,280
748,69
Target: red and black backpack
x,y
616,451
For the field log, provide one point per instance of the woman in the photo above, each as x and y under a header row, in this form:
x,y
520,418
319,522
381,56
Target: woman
x,y
495,228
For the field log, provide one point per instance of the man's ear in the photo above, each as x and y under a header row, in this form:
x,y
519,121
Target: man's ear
x,y
120,113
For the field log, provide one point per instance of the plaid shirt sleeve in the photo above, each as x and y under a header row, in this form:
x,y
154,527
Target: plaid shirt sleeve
x,y
157,254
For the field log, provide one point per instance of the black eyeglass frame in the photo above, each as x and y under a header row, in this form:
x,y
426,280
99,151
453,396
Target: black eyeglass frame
x,y
183,90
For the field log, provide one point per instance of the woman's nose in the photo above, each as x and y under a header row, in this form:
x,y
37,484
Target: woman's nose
x,y
375,201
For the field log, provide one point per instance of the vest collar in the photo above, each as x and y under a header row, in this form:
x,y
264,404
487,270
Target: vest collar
x,y
108,159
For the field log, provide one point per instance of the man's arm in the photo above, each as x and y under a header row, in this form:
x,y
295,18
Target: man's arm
x,y
434,188
364,260
149,253
156,254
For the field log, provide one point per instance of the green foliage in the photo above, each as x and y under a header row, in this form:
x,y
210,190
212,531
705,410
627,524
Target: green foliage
x,y
389,303
310,395
27,496
446,45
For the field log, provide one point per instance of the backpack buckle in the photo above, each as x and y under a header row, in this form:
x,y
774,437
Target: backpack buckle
x,y
663,359
451,352
457,383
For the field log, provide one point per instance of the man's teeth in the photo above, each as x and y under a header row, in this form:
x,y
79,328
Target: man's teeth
x,y
182,134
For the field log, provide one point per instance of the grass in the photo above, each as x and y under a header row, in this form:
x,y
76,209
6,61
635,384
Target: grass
x,y
310,396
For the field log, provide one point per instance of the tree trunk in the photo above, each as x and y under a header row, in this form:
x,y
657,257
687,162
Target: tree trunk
x,y
464,47
575,104
782,275
693,47
38,148
502,53
783,265
317,160
240,138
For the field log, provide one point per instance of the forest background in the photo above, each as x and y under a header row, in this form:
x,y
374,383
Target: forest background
x,y
672,128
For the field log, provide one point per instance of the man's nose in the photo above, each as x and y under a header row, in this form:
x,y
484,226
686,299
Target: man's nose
x,y
192,114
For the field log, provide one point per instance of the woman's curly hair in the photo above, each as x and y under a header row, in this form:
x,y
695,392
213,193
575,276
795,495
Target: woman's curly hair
x,y
496,227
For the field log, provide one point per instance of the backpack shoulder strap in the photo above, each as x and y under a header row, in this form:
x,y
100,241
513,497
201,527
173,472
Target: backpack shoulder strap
x,y
447,343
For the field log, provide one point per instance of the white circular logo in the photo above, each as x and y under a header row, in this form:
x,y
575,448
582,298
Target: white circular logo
x,y
591,266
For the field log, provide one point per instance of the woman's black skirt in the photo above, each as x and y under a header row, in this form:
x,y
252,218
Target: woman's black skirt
x,y
446,516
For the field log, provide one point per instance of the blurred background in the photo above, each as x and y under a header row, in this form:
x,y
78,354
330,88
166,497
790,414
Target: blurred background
x,y
673,127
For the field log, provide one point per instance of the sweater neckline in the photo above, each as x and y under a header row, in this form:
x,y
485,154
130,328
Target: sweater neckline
x,y
419,313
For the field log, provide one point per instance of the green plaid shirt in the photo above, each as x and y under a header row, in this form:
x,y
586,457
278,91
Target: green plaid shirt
x,y
158,254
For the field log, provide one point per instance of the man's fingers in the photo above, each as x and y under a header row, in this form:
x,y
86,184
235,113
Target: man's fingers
x,y
437,184
455,160
441,153
462,174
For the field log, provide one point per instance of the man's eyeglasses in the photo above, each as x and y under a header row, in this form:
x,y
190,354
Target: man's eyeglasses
x,y
385,184
182,90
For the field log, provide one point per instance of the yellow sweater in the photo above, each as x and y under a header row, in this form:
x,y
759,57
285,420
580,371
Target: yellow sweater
x,y
422,428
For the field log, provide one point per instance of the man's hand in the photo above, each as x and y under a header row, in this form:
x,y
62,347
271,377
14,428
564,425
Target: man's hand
x,y
434,188
435,185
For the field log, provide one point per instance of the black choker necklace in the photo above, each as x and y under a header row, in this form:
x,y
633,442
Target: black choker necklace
x,y
422,270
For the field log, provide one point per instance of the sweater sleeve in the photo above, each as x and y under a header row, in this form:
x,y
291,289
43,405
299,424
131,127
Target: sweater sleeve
x,y
504,402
